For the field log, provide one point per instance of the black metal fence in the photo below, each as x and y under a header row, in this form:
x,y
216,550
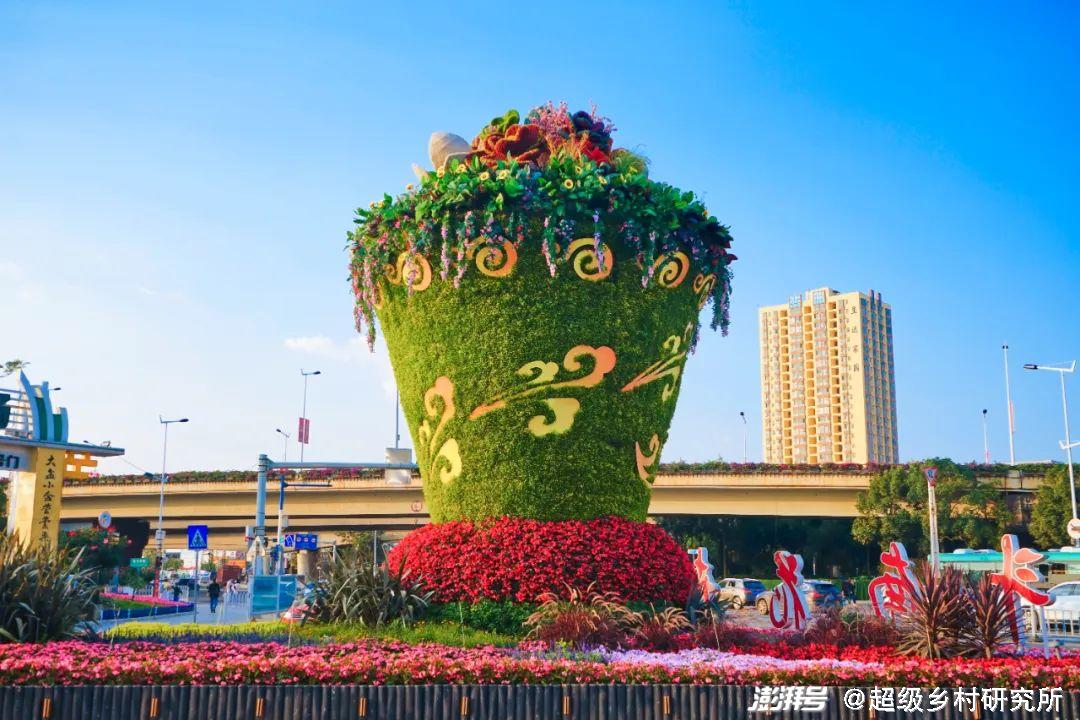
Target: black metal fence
x,y
446,702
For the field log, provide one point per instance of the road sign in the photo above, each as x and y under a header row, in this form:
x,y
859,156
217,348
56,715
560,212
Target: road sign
x,y
104,519
1073,528
300,541
931,476
197,536
140,562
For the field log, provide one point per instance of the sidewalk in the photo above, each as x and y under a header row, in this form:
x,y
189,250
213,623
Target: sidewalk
x,y
225,615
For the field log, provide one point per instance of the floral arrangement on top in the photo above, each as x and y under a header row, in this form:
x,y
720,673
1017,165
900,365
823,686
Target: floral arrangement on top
x,y
554,176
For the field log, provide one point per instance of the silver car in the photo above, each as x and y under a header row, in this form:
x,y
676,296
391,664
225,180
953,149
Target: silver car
x,y
740,591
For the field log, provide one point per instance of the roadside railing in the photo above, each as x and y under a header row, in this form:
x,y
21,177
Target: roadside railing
x,y
1061,625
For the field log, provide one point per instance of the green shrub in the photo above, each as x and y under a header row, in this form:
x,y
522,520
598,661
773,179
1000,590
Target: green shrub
x,y
351,589
503,617
44,594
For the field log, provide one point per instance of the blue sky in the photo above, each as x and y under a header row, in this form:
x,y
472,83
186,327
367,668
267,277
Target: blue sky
x,y
176,182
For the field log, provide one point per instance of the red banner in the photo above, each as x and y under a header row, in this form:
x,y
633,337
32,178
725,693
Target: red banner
x,y
303,432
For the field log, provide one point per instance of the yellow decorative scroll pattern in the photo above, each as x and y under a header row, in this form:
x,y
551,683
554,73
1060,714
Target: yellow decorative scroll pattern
x,y
673,354
670,269
541,378
646,463
445,458
409,263
703,287
494,260
582,257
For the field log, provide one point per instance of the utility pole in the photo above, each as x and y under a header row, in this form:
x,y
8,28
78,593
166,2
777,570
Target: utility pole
x,y
1068,445
160,534
744,431
1009,408
303,413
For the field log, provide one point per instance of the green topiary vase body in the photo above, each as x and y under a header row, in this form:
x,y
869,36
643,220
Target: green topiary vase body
x,y
535,396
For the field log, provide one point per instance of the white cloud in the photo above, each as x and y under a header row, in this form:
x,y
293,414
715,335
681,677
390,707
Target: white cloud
x,y
354,349
312,345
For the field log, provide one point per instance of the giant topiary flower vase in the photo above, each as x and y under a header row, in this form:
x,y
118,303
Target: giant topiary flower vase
x,y
538,319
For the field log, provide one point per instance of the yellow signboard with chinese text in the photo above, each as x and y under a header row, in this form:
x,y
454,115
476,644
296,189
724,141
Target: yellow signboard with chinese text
x,y
34,514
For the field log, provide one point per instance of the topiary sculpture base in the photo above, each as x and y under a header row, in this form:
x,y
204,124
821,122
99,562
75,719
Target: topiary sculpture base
x,y
520,560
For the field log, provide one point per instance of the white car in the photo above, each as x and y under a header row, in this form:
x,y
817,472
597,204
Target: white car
x,y
1063,612
1066,596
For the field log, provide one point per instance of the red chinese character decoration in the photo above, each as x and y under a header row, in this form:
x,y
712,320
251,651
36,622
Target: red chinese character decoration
x,y
787,607
1014,578
892,592
703,569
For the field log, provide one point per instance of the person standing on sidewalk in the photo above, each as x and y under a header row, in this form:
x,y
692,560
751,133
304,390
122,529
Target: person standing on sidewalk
x,y
213,591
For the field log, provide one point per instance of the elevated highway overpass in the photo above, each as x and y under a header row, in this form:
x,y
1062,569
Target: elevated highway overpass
x,y
226,501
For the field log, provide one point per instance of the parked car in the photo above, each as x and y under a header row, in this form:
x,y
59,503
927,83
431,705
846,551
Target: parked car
x,y
740,591
1066,596
818,593
1063,612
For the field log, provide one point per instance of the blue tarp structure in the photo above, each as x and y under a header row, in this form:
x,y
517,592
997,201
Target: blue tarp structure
x,y
272,593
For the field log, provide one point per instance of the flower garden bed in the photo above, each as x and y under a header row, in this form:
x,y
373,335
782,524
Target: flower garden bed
x,y
118,606
523,559
381,662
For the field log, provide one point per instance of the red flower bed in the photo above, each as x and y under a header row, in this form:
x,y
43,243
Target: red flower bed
x,y
377,662
515,559
143,599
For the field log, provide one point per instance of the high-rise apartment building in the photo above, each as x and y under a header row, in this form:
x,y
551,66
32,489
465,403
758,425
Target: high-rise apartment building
x,y
828,389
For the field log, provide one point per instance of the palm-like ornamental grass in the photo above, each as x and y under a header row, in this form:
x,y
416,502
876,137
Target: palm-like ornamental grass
x,y
44,595
935,616
353,590
989,626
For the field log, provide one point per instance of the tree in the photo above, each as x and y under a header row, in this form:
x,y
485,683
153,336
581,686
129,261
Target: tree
x,y
101,550
12,366
742,545
970,513
1053,509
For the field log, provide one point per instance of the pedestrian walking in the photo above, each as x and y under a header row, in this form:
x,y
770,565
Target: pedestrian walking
x,y
213,590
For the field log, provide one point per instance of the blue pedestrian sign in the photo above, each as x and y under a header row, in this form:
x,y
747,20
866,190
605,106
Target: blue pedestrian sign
x,y
301,541
197,536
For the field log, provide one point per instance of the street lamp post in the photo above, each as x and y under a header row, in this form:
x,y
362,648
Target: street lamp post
x,y
285,451
930,473
303,412
986,439
1009,408
1068,445
744,431
160,534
